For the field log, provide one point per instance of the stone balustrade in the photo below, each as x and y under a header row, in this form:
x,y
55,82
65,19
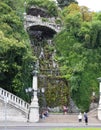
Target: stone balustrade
x,y
33,20
14,100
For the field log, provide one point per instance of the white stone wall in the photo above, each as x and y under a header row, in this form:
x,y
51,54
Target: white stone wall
x,y
12,108
11,113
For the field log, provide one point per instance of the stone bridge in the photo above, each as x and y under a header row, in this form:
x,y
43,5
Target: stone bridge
x,y
49,23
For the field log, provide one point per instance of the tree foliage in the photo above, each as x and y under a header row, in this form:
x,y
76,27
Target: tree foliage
x,y
15,52
50,6
78,52
63,3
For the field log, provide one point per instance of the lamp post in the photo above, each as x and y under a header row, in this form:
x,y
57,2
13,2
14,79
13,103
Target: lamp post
x,y
99,107
41,93
93,97
93,100
29,91
34,106
43,98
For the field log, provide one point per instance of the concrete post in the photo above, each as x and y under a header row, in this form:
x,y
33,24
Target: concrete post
x,y
99,107
34,107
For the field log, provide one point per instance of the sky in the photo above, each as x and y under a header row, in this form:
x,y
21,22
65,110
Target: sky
x,y
93,5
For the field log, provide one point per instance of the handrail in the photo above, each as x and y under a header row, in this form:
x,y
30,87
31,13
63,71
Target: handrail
x,y
14,100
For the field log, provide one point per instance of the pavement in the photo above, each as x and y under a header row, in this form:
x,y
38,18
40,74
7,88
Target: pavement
x,y
57,121
48,125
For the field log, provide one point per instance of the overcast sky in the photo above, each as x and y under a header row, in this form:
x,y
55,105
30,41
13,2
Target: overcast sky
x,y
93,5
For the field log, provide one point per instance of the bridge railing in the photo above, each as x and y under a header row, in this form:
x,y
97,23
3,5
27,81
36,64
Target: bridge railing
x,y
33,20
14,100
39,19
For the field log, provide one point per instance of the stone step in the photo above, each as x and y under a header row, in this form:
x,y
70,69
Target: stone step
x,y
69,118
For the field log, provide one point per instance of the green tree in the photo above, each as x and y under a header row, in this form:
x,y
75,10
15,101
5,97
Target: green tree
x,y
78,53
50,6
15,52
63,3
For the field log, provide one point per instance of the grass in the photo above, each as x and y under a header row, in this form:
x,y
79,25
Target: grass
x,y
77,129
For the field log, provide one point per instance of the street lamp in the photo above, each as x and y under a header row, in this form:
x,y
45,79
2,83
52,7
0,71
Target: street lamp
x,y
42,90
43,98
34,106
29,91
93,96
99,107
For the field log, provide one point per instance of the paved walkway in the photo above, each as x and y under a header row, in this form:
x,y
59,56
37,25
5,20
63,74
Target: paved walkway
x,y
57,121
48,125
69,118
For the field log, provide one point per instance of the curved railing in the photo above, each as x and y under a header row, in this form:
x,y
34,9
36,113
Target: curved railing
x,y
14,100
33,20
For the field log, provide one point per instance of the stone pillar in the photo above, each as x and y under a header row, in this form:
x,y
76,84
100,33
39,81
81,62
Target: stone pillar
x,y
99,107
34,107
